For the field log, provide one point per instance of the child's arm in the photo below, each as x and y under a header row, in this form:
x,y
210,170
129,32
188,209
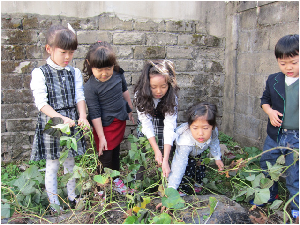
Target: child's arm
x,y
126,96
165,164
82,121
157,152
179,163
220,164
169,136
97,124
273,115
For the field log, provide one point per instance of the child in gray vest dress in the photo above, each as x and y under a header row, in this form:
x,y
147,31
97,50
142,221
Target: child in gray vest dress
x,y
58,92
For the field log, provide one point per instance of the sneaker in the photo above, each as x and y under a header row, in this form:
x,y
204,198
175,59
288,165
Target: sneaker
x,y
121,187
54,211
181,194
262,205
75,201
295,213
101,197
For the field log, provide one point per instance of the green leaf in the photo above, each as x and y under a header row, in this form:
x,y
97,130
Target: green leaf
x,y
251,178
256,181
64,128
53,131
5,210
56,207
163,218
212,204
101,179
262,196
63,156
173,199
132,139
111,173
206,161
131,220
266,183
79,172
274,171
281,160
33,173
275,205
250,191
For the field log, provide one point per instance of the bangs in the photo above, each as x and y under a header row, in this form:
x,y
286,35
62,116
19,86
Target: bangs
x,y
102,58
66,39
288,46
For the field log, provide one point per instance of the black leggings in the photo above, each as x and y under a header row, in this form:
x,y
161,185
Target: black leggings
x,y
110,159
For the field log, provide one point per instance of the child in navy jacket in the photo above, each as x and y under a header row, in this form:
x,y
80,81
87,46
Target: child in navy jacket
x,y
280,101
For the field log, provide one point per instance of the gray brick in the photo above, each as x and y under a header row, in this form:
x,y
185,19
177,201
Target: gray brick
x,y
11,82
90,37
179,52
16,96
161,39
111,22
131,38
12,111
288,11
150,52
180,26
131,65
123,51
17,125
146,26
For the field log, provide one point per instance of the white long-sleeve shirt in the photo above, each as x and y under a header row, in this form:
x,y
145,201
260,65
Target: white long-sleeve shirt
x,y
186,145
39,88
169,125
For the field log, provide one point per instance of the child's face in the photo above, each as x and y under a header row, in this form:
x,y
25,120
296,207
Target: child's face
x,y
289,66
103,74
158,85
60,56
201,130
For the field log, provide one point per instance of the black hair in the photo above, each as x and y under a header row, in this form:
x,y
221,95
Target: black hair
x,y
100,55
205,109
59,36
287,46
143,95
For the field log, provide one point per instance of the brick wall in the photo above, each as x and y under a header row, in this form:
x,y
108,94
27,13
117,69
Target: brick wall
x,y
198,56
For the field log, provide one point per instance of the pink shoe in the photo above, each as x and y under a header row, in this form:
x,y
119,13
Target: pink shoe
x,y
198,189
121,187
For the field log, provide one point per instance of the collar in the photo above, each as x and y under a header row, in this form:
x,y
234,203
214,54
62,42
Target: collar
x,y
290,80
185,137
55,66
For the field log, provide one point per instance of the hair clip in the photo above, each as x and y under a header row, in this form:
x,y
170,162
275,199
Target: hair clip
x,y
163,71
71,28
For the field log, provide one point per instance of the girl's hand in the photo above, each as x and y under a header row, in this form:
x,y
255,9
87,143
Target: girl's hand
x,y
158,157
220,164
166,168
102,145
131,117
274,118
68,121
83,122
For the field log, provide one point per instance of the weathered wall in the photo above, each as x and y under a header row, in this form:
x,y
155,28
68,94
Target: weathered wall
x,y
198,56
223,52
252,30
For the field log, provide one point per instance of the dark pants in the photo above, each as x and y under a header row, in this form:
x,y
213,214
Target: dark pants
x,y
287,138
110,159
193,173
